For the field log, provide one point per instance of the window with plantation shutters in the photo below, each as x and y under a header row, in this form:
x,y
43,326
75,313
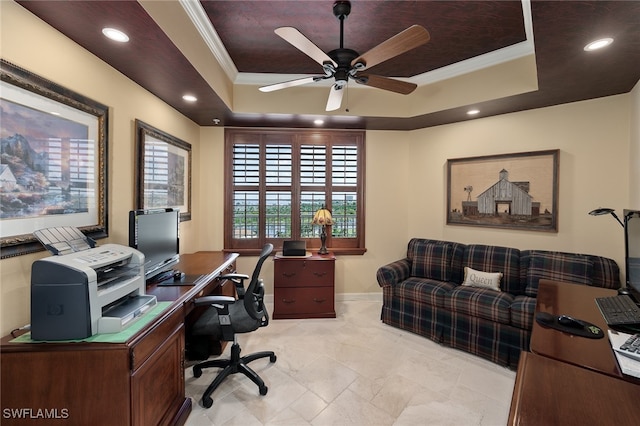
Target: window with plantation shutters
x,y
275,180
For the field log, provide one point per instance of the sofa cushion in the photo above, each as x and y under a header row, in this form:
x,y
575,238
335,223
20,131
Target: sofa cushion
x,y
431,260
496,259
423,290
522,310
481,303
575,268
481,279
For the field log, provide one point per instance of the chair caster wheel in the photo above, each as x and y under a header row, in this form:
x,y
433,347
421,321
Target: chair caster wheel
x,y
272,358
197,372
263,390
207,402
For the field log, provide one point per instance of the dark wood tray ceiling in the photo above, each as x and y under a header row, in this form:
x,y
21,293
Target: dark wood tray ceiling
x,y
459,30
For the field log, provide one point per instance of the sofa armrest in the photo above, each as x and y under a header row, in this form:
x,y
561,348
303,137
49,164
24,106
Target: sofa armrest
x,y
394,272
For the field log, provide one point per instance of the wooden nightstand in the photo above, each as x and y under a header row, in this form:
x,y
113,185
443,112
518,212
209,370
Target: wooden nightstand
x,y
303,287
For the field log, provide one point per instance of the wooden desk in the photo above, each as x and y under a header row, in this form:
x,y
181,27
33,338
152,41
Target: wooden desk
x,y
577,301
571,380
139,382
549,392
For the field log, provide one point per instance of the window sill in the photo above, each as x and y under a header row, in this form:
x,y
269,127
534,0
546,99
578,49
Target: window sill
x,y
337,252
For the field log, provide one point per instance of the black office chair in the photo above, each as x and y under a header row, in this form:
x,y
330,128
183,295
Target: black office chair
x,y
227,317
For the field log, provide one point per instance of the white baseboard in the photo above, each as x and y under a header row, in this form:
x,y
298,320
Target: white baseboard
x,y
343,297
347,297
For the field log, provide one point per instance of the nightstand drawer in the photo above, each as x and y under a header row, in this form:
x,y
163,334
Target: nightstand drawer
x,y
304,273
304,302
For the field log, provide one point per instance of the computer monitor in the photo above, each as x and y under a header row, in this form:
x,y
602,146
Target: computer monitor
x,y
632,251
155,233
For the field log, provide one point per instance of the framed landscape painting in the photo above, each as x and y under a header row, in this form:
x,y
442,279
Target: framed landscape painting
x,y
53,170
163,172
515,191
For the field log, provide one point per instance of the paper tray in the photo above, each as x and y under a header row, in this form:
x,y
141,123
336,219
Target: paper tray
x,y
118,317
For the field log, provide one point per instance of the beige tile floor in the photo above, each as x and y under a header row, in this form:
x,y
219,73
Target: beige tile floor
x,y
355,370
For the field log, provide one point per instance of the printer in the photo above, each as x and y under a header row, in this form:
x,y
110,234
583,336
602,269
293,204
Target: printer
x,y
95,290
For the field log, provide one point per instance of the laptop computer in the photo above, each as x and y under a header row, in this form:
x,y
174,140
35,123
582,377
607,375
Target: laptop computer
x,y
294,248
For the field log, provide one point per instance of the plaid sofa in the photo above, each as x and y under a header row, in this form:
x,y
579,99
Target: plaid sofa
x,y
423,293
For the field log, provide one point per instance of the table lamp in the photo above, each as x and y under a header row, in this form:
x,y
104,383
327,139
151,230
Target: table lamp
x,y
323,218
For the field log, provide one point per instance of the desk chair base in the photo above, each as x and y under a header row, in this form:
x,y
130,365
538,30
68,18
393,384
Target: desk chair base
x,y
235,364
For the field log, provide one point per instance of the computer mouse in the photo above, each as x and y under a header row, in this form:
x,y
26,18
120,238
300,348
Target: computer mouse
x,y
545,318
178,276
623,291
567,321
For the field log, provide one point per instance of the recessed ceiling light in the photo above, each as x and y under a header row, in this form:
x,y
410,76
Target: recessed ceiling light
x,y
189,98
598,44
318,122
115,35
473,111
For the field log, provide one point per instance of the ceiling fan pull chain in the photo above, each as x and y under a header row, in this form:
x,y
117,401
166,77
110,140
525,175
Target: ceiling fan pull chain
x,y
342,32
346,88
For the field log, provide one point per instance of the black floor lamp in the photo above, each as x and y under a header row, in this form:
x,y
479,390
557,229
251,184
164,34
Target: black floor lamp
x,y
604,210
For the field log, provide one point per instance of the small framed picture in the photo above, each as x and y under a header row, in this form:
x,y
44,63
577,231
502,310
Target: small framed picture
x,y
163,172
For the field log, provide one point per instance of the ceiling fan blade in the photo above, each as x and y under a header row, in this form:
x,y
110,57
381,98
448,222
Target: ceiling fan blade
x,y
386,83
302,43
402,42
335,98
291,83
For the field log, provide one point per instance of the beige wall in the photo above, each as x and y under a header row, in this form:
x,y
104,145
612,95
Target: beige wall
x,y
405,185
634,154
36,47
592,137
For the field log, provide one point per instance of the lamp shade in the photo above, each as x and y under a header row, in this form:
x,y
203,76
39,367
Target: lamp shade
x,y
605,210
322,217
600,211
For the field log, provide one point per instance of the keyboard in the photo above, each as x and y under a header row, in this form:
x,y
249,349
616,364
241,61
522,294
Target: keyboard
x,y
619,310
631,347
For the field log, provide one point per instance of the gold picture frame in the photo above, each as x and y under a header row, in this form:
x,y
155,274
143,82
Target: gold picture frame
x,y
54,160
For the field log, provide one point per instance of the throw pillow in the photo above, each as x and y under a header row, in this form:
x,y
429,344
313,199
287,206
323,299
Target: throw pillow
x,y
431,260
473,278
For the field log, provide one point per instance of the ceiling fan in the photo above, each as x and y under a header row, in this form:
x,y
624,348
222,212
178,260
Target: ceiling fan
x,y
343,64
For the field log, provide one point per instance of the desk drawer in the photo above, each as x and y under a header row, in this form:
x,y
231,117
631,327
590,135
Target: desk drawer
x,y
154,338
304,302
304,273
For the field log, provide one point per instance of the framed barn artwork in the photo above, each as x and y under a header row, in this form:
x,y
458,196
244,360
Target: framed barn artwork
x,y
514,191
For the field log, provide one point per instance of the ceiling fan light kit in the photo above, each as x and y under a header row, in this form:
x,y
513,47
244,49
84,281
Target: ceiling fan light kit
x,y
343,64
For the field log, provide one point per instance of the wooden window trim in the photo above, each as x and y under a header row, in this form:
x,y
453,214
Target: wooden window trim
x,y
350,246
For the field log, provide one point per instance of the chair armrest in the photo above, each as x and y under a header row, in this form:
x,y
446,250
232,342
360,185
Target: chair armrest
x,y
394,272
233,277
238,281
211,300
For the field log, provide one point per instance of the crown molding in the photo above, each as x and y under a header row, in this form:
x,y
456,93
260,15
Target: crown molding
x,y
201,21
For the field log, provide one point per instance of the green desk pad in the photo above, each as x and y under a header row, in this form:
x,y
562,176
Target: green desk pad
x,y
120,337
